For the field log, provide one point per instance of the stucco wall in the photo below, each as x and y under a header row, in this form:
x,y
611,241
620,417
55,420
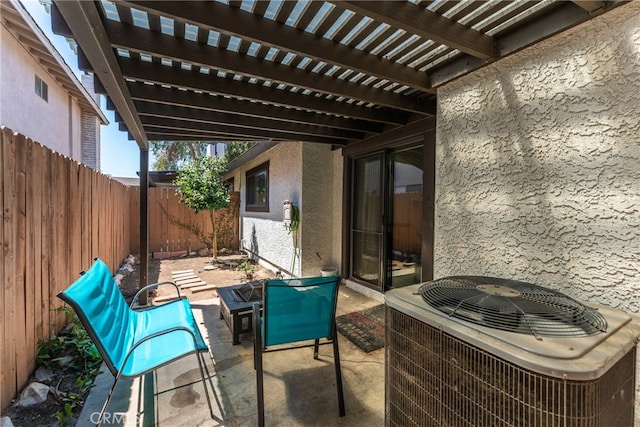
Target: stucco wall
x,y
317,207
537,165
25,112
264,231
305,174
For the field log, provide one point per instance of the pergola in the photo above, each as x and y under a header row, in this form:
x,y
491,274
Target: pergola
x,y
332,72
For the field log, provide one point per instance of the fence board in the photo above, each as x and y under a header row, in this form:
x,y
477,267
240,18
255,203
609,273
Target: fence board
x,y
8,348
20,226
10,282
3,337
30,242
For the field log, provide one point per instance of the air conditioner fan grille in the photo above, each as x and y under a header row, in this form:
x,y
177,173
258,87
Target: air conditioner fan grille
x,y
512,306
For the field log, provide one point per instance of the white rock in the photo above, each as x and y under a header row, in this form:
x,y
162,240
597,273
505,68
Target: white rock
x,y
6,422
43,374
125,269
33,394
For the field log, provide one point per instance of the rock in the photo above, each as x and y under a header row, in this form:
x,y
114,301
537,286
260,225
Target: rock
x,y
64,360
131,260
43,374
118,279
33,394
204,252
209,267
6,422
125,270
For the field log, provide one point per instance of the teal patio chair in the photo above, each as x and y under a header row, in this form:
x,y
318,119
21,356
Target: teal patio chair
x,y
295,311
134,342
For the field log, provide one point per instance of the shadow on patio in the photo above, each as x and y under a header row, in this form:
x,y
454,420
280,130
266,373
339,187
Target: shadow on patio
x,y
299,391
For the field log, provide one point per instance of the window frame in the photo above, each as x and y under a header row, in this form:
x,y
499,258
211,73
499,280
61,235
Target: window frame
x,y
250,175
41,88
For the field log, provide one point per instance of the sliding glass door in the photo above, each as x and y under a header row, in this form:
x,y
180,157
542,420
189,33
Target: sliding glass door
x,y
405,205
367,220
386,223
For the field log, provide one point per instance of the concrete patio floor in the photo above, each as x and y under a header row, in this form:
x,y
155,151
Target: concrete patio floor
x,y
299,391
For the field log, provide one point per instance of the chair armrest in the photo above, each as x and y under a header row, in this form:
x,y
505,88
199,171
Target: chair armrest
x,y
153,285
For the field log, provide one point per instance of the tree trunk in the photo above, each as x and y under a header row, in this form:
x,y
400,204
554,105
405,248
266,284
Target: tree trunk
x,y
214,235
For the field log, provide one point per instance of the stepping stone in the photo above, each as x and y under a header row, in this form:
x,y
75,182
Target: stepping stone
x,y
209,267
187,281
204,288
184,276
165,298
181,272
193,285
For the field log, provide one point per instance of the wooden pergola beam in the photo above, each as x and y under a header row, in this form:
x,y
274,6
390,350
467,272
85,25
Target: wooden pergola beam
x,y
196,81
84,21
200,54
427,24
251,27
147,109
203,101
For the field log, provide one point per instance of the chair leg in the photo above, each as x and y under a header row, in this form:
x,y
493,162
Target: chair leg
x,y
316,348
257,363
106,403
336,361
202,362
260,389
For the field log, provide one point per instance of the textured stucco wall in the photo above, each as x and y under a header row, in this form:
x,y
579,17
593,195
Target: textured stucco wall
x,y
264,231
317,222
25,112
304,174
537,165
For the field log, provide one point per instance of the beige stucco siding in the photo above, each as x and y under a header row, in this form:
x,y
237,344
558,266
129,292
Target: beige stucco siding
x,y
23,111
537,165
304,173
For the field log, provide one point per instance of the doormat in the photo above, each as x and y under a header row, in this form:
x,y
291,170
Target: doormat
x,y
363,328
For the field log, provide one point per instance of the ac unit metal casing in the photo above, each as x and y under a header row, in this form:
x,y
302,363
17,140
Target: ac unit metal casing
x,y
443,371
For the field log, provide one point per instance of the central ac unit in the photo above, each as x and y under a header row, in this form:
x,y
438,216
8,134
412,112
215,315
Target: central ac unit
x,y
481,351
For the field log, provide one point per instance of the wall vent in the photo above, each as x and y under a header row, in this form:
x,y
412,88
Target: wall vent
x,y
447,370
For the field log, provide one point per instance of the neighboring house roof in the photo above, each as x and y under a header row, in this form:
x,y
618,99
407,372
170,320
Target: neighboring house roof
x,y
18,22
128,181
156,179
250,154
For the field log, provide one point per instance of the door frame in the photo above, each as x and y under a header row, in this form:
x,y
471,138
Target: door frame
x,y
419,132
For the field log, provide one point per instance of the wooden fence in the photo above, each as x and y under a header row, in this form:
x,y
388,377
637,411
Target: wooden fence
x,y
57,215
166,238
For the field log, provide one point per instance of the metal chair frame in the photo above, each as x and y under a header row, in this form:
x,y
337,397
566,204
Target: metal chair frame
x,y
261,339
98,283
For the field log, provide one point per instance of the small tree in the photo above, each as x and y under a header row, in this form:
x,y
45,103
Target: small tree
x,y
200,188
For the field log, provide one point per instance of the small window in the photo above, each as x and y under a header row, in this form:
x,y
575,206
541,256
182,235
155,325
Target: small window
x,y
42,90
258,188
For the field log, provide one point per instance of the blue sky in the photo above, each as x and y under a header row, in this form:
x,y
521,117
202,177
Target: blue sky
x,y
118,155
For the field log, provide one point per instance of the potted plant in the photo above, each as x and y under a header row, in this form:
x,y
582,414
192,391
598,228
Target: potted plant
x,y
248,268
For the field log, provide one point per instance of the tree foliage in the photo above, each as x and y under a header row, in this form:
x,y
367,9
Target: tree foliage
x,y
172,155
199,186
234,149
